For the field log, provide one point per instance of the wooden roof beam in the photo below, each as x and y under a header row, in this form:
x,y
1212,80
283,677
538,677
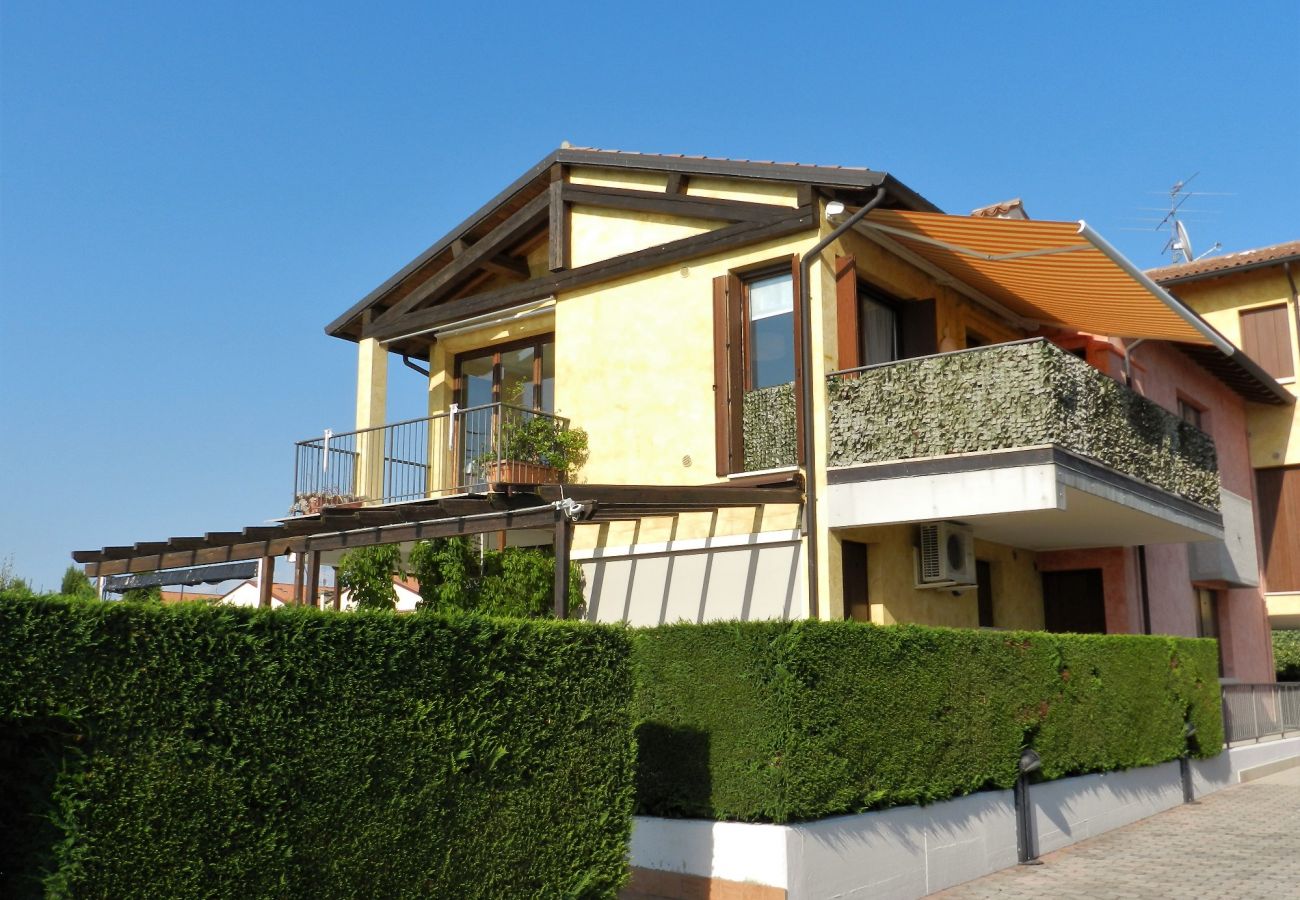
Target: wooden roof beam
x,y
471,258
671,204
391,328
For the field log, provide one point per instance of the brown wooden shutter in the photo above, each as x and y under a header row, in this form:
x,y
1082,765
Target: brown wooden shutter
x,y
721,380
847,329
1266,338
918,331
1278,497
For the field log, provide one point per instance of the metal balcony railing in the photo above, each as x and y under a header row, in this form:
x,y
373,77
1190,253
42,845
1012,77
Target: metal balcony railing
x,y
1019,394
459,451
1254,711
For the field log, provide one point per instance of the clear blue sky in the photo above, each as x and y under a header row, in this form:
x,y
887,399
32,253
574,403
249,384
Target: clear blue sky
x,y
191,191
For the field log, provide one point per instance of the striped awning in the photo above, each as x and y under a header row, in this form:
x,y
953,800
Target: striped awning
x,y
1052,273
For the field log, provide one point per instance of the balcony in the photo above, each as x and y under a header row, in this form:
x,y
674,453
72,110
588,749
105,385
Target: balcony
x,y
1024,440
460,451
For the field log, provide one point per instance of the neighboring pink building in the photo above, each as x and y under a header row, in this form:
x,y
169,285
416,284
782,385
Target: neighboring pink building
x,y
1209,589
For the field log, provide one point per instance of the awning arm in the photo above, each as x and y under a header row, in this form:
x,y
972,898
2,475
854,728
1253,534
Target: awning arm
x,y
1218,340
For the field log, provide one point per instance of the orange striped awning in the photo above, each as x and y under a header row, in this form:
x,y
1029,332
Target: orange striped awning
x,y
1054,273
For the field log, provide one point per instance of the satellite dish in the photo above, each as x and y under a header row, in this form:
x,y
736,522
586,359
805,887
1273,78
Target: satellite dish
x,y
1182,241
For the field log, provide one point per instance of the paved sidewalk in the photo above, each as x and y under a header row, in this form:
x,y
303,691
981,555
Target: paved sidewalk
x,y
1243,841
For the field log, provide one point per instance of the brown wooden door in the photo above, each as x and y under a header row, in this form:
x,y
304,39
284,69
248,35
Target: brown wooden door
x,y
1074,601
857,601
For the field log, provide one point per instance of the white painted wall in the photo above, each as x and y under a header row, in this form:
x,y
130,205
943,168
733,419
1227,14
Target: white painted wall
x,y
911,851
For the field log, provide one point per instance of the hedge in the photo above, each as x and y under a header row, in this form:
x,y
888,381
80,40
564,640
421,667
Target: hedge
x,y
789,721
219,752
1286,655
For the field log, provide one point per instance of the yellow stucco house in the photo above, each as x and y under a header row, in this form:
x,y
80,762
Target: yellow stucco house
x,y
806,392
1251,298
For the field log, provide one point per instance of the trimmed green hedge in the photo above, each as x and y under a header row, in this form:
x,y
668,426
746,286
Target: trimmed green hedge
x,y
1286,655
198,751
789,721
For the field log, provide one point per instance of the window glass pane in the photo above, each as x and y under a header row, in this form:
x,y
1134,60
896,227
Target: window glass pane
x,y
770,343
548,377
476,378
879,326
517,377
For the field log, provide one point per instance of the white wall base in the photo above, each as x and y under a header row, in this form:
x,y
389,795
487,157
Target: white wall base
x,y
912,851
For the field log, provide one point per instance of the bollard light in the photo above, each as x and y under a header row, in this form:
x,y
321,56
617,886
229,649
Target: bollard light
x,y
1185,764
1026,851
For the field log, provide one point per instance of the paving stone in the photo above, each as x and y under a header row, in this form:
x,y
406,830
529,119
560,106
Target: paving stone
x,y
1243,841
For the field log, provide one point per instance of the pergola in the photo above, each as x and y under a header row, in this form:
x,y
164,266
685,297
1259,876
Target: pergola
x,y
505,508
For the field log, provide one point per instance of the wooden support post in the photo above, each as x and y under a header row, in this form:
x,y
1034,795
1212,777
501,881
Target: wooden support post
x,y
299,564
313,579
563,540
265,579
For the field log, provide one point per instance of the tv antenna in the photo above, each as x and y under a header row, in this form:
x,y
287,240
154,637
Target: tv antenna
x,y
1179,245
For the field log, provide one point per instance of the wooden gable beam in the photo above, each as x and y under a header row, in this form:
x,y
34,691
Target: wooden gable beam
x,y
501,264
672,204
719,240
557,254
677,183
472,258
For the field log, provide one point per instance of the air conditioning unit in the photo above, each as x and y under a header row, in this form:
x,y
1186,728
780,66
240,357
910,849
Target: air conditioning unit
x,y
946,555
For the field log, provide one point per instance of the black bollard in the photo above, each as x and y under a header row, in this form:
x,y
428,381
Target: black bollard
x,y
1026,850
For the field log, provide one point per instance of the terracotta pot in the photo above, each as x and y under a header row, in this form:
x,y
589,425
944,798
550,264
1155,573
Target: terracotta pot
x,y
511,472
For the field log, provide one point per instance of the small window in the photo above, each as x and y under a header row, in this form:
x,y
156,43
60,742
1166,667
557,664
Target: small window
x,y
975,339
878,328
1191,413
1266,338
769,302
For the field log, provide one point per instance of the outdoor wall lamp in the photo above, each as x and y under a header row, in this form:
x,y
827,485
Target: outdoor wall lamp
x,y
1026,852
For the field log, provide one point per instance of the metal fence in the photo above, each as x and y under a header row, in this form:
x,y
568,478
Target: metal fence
x,y
453,452
1254,711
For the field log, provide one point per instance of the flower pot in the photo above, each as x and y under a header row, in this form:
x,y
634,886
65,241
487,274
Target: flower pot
x,y
512,472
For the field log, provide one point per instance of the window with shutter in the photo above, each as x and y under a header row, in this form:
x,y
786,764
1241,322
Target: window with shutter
x,y
1266,338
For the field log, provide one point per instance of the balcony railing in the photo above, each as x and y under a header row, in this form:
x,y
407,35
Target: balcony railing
x,y
459,451
1020,394
1254,711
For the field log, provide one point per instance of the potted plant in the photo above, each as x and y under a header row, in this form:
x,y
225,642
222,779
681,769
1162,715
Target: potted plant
x,y
536,449
310,503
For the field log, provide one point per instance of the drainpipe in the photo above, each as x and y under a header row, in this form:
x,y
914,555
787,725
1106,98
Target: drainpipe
x,y
806,345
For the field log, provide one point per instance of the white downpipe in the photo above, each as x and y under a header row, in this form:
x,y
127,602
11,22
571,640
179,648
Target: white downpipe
x,y
1160,293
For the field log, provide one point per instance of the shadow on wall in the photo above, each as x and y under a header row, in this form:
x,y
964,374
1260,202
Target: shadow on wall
x,y
744,582
684,787
33,752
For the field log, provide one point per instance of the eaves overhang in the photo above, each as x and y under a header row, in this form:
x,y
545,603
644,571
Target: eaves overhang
x,y
536,179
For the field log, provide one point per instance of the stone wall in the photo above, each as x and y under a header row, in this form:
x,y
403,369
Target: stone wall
x,y
1016,395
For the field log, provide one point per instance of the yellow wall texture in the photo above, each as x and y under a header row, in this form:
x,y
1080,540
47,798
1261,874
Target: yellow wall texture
x,y
1274,430
634,367
891,580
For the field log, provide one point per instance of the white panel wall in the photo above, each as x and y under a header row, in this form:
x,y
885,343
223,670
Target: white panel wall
x,y
653,586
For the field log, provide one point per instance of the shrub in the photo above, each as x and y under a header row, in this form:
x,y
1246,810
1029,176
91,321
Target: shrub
x,y
76,583
1286,655
517,581
786,721
198,751
366,573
